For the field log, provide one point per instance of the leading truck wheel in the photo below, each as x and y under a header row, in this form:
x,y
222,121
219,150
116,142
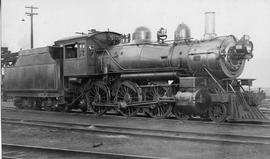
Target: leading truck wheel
x,y
218,113
179,114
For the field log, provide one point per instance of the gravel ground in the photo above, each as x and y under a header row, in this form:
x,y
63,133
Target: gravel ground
x,y
132,145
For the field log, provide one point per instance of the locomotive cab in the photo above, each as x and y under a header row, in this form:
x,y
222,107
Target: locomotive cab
x,y
81,52
74,61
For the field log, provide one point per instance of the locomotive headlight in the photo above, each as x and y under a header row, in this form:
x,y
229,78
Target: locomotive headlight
x,y
249,50
249,47
238,47
244,45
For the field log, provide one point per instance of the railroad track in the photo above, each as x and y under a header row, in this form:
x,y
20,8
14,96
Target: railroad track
x,y
8,107
265,123
146,133
16,151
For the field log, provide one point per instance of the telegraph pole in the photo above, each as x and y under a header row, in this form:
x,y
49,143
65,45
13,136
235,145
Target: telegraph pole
x,y
31,14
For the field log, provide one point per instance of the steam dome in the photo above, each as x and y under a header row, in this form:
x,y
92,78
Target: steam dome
x,y
182,32
141,34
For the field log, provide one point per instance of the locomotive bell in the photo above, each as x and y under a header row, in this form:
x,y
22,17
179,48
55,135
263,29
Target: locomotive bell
x,y
141,34
161,35
182,32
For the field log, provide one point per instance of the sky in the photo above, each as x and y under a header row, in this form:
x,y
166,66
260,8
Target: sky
x,y
61,18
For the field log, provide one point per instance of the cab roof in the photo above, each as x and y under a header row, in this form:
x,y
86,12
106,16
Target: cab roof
x,y
101,36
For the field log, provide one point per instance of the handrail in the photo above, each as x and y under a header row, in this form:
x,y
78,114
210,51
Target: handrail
x,y
222,89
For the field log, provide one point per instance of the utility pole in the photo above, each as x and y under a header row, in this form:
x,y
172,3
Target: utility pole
x,y
31,14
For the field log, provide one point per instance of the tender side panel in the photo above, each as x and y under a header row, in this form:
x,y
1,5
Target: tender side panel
x,y
32,79
36,74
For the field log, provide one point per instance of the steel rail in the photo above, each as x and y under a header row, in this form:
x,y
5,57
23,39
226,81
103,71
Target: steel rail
x,y
147,133
75,153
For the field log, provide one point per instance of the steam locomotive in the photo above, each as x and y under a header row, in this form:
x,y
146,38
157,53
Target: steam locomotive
x,y
103,71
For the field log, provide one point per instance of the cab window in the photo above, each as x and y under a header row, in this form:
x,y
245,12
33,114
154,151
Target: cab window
x,y
71,51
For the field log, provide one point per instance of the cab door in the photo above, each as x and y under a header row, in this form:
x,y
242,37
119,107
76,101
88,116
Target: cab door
x,y
75,59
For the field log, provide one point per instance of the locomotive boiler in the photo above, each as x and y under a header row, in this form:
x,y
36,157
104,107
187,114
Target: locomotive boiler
x,y
105,71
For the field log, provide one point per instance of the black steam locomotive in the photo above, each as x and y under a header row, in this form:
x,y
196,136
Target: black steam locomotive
x,y
105,71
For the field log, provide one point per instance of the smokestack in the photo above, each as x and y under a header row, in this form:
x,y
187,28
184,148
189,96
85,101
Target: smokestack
x,y
209,31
